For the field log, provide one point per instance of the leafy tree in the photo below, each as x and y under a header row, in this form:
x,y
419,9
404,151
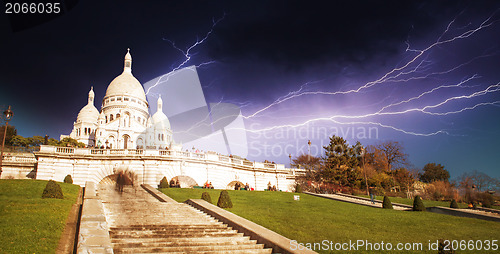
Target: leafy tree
x,y
341,162
70,142
20,141
36,140
53,142
433,172
11,133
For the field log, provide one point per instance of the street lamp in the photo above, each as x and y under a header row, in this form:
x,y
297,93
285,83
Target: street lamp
x,y
309,143
7,115
363,150
290,156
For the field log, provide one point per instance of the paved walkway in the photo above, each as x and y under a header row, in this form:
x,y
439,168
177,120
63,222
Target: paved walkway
x,y
139,223
359,200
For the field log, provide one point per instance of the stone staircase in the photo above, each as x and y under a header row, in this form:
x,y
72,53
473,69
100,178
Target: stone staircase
x,y
139,223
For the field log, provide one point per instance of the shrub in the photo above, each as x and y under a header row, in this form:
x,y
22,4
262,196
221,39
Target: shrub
x,y
298,188
387,203
418,205
68,179
224,200
164,183
52,190
206,196
486,199
453,204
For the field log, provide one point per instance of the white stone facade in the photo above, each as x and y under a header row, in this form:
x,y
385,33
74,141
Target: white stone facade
x,y
150,166
124,121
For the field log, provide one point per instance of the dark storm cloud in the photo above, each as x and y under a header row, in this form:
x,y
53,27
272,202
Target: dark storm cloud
x,y
298,33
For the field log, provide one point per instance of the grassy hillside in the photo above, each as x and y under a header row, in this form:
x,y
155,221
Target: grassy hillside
x,y
28,223
314,219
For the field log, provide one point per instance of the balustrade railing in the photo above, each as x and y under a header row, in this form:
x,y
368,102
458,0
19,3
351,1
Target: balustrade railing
x,y
65,150
272,167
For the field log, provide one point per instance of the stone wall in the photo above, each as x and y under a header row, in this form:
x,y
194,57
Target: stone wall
x,y
150,166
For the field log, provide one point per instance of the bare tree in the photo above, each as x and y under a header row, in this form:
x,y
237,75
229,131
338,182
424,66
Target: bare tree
x,y
481,181
312,164
393,153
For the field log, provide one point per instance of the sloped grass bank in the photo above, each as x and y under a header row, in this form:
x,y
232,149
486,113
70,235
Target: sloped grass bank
x,y
29,223
313,220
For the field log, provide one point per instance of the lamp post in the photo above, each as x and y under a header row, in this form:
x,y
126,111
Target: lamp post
x,y
363,150
290,156
309,143
7,115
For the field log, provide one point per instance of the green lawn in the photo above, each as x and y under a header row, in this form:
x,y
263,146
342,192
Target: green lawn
x,y
28,223
314,219
427,203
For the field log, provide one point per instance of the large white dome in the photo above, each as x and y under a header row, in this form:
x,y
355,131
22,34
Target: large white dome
x,y
126,84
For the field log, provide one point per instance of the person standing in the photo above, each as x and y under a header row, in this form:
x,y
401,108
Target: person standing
x,y
371,190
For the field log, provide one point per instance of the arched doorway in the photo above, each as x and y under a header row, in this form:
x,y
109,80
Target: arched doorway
x,y
185,181
231,185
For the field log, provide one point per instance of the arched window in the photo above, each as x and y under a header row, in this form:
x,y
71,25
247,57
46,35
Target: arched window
x,y
118,115
106,119
111,117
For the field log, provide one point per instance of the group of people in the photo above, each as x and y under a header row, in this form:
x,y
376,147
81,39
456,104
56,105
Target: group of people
x,y
208,185
271,188
239,186
174,183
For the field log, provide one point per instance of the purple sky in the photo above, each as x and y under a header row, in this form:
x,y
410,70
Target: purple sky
x,y
319,65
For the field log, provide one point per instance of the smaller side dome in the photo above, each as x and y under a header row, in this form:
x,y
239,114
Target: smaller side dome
x,y
159,119
89,113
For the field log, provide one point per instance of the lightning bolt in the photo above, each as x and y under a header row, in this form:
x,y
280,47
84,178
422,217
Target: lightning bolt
x,y
393,74
415,68
187,54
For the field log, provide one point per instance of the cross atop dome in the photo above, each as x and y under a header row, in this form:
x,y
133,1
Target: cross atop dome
x,y
91,95
128,62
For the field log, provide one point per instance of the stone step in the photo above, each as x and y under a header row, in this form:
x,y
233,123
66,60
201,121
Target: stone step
x,y
139,223
172,227
181,244
184,240
254,251
138,234
174,230
190,249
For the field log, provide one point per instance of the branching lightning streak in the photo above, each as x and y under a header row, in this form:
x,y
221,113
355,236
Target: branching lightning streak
x,y
419,64
426,92
187,53
394,73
